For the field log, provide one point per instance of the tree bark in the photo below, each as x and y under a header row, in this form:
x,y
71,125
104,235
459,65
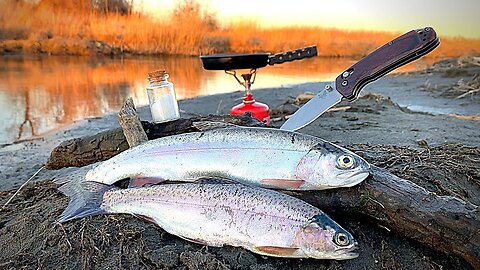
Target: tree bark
x,y
443,223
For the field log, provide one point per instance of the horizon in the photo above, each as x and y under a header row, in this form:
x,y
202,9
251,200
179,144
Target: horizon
x,y
452,19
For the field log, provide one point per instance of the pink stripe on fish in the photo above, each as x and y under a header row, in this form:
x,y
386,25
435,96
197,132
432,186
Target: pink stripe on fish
x,y
283,183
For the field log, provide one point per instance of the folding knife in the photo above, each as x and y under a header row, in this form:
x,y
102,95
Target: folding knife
x,y
398,52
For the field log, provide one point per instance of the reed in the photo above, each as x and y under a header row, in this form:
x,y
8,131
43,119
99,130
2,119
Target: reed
x,y
60,27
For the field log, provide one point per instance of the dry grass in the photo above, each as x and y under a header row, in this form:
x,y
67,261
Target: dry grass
x,y
60,27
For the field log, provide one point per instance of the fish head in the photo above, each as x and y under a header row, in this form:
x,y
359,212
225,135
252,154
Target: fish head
x,y
327,166
323,238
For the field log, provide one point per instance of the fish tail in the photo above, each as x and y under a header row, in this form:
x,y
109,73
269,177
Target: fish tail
x,y
72,174
85,199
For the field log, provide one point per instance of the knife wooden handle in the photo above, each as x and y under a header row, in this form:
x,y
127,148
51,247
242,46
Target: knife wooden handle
x,y
398,52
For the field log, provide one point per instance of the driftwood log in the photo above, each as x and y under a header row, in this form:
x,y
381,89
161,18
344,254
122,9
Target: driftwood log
x,y
443,223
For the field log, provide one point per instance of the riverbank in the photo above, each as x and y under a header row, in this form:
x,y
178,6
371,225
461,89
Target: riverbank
x,y
45,43
39,94
437,150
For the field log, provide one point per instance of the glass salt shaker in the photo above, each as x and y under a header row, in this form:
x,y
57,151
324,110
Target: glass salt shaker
x,y
161,96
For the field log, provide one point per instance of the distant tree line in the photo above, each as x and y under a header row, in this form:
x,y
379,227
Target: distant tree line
x,y
123,7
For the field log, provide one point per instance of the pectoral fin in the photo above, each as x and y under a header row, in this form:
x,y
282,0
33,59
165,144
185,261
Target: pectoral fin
x,y
283,183
145,218
277,251
144,181
200,242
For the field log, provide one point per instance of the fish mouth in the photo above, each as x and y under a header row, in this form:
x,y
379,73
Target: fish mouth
x,y
344,179
347,253
348,256
353,178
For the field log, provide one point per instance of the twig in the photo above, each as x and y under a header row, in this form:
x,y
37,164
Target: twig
x,y
471,92
131,125
337,109
218,107
66,238
465,117
24,184
20,141
377,202
383,227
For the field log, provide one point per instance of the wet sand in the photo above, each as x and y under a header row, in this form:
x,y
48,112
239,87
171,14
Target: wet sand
x,y
401,123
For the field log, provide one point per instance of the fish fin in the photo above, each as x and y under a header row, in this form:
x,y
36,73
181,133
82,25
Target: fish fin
x,y
85,199
276,251
215,180
71,174
209,125
283,183
193,240
145,181
146,218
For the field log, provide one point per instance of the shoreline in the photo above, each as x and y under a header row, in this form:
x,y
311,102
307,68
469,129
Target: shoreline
x,y
24,90
38,96
96,48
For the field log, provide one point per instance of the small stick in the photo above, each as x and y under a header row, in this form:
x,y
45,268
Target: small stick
x,y
218,107
24,184
383,227
65,233
465,117
131,125
337,109
471,92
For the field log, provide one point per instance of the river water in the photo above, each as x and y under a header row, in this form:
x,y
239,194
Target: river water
x,y
40,94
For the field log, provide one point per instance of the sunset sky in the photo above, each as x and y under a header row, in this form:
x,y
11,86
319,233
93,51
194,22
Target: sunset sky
x,y
448,17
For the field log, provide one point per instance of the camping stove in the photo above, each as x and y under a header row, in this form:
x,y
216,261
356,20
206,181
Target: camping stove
x,y
257,109
231,63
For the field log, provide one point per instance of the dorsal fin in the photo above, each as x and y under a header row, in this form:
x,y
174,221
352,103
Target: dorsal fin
x,y
209,125
215,180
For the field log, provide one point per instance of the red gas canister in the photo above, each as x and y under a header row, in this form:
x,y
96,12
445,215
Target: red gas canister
x,y
257,109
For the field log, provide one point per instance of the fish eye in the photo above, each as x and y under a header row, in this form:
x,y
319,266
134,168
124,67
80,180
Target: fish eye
x,y
345,161
341,239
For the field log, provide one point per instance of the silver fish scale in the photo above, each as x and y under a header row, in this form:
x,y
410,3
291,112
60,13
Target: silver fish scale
x,y
217,214
233,137
244,154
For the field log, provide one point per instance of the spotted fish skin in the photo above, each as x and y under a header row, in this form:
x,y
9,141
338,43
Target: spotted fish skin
x,y
264,157
210,212
217,214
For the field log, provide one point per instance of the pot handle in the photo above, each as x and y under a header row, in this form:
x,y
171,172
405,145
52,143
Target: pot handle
x,y
289,56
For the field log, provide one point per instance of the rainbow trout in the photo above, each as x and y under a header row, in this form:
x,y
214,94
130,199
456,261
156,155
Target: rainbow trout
x,y
263,221
265,157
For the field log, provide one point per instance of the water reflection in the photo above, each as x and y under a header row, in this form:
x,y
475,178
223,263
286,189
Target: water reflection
x,y
39,94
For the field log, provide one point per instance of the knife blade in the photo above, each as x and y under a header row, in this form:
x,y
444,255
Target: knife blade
x,y
398,52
